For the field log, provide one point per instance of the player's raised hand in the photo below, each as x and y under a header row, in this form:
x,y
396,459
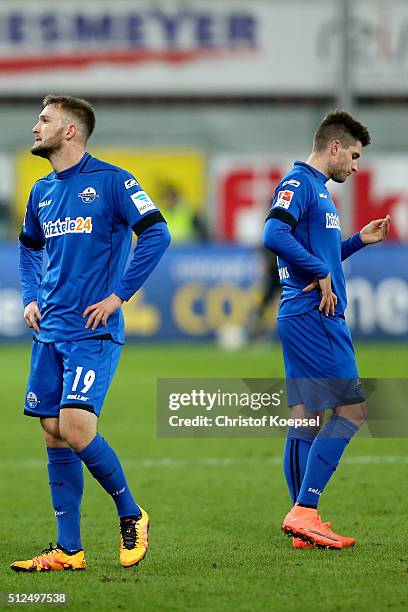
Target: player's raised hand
x,y
101,311
376,231
31,314
328,302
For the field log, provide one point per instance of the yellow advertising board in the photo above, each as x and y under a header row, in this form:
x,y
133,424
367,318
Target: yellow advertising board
x,y
156,169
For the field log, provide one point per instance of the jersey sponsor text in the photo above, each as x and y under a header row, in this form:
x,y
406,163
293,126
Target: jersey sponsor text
x,y
332,221
77,225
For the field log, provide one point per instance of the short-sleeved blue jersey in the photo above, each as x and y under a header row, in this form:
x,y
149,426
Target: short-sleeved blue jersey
x,y
84,216
302,201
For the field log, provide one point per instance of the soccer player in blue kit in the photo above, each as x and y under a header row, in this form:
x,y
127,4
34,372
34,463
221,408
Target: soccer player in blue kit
x,y
303,228
83,213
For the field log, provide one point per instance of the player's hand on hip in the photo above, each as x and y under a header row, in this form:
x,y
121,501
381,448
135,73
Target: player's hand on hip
x,y
101,311
312,286
316,285
329,299
31,314
376,231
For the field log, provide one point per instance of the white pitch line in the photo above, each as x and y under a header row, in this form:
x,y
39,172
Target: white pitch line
x,y
212,462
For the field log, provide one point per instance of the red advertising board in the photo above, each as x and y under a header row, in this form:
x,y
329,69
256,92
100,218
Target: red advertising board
x,y
245,187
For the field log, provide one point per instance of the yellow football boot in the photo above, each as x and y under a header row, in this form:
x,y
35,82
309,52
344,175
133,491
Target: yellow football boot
x,y
51,560
133,539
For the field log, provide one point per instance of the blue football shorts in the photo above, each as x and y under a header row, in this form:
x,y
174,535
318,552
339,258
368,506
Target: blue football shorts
x,y
320,362
70,375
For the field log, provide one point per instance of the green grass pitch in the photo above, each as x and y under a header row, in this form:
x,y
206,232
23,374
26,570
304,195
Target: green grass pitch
x,y
215,504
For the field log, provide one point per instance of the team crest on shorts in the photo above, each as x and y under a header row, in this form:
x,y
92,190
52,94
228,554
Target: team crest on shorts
x,y
32,400
358,385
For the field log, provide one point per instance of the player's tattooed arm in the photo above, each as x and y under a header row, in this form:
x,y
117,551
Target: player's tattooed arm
x,y
31,314
376,231
100,311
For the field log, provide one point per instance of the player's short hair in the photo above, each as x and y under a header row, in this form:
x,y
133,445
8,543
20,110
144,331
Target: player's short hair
x,y
340,125
78,107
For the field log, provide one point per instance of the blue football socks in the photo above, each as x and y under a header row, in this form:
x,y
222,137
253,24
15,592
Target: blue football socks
x,y
104,465
324,457
67,485
298,444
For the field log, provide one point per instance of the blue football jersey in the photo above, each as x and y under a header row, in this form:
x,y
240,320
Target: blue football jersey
x,y
84,216
302,200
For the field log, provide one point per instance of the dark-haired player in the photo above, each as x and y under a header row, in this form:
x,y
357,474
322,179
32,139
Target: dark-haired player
x,y
83,213
303,228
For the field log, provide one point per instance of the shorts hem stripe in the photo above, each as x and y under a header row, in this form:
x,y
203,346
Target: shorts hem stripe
x,y
40,415
88,408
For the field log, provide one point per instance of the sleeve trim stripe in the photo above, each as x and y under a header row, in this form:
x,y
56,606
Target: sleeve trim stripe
x,y
146,222
282,215
29,243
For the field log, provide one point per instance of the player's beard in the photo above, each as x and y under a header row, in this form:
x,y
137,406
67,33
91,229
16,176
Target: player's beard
x,y
338,178
338,175
46,149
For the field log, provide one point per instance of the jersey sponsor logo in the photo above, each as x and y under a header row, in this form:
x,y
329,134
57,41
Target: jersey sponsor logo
x,y
284,198
44,203
130,183
283,273
291,182
332,221
88,195
32,400
77,225
142,202
323,195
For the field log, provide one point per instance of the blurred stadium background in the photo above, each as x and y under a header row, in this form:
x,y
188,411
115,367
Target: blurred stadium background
x,y
208,102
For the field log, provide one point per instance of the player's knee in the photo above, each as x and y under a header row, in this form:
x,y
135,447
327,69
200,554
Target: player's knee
x,y
357,413
74,438
315,419
51,431
77,427
364,413
53,441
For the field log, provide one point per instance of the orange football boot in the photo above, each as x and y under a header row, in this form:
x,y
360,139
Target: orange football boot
x,y
306,524
298,543
347,542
